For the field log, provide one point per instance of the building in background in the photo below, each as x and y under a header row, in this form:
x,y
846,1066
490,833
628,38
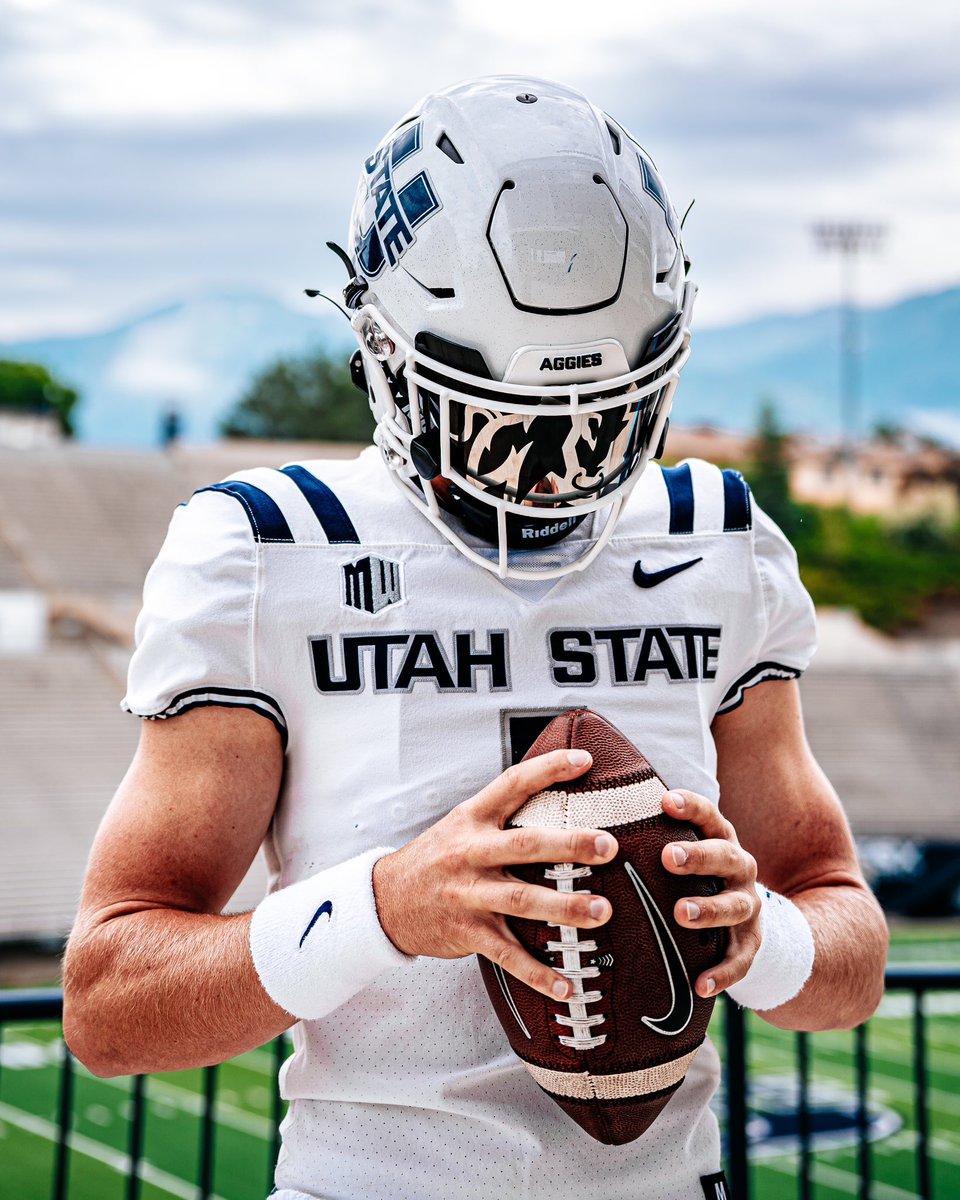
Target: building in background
x,y
902,477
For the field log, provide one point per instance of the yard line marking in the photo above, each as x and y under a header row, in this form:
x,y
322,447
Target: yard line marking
x,y
257,1062
882,1083
159,1091
936,1004
943,1148
887,1046
103,1154
941,1145
192,1102
837,1177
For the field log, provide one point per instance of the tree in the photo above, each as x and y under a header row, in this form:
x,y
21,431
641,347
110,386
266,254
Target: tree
x,y
28,387
769,475
311,398
889,432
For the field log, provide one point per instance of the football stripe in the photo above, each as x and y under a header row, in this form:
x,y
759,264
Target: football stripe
x,y
593,810
628,1085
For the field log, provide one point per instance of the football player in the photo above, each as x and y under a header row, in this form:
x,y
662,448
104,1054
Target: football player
x,y
346,661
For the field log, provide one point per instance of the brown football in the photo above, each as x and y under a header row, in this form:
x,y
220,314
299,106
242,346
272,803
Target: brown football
x,y
614,1053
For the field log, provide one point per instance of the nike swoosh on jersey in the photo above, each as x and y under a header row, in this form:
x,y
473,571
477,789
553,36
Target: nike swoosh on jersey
x,y
325,910
678,1017
649,579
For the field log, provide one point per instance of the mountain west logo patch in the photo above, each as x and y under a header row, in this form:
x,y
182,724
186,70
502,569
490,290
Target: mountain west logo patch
x,y
371,583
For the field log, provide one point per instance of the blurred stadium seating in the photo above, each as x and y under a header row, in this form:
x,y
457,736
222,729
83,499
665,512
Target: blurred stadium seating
x,y
78,529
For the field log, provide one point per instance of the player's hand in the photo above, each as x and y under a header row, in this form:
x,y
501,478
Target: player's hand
x,y
448,892
737,907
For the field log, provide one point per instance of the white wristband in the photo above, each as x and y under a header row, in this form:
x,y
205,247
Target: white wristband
x,y
318,942
785,958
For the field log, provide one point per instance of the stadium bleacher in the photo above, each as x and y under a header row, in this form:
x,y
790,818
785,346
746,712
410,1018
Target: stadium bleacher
x,y
82,527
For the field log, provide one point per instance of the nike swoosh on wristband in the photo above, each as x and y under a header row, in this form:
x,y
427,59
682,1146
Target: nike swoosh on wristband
x,y
325,910
678,1017
649,579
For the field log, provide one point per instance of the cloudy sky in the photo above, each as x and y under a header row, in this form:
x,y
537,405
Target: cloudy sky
x,y
156,149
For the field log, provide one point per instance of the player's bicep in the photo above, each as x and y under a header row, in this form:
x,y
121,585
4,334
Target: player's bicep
x,y
772,789
189,816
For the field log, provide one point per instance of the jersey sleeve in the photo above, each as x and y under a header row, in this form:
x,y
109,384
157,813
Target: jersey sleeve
x,y
195,635
787,635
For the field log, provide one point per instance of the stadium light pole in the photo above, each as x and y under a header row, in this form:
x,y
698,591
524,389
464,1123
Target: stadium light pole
x,y
848,239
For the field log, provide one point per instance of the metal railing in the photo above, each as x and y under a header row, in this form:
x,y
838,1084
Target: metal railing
x,y
918,982
47,1005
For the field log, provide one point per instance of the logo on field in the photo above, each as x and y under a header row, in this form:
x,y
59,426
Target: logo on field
x,y
371,583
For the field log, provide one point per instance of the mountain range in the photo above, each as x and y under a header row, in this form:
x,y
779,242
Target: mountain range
x,y
199,355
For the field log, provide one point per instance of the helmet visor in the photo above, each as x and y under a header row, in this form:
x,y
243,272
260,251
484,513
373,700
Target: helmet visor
x,y
549,459
565,446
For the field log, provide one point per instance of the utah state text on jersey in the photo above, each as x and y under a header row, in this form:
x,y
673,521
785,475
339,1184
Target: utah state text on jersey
x,y
399,660
395,662
681,652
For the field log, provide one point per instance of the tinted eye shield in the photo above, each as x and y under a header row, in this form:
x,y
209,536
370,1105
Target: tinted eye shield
x,y
567,446
547,457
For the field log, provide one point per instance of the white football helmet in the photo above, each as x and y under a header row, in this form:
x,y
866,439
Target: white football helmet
x,y
523,312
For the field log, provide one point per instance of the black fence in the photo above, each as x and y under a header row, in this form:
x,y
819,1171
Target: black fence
x,y
917,983
43,1005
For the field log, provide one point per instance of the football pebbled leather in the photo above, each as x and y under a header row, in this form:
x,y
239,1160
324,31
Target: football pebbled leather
x,y
614,1053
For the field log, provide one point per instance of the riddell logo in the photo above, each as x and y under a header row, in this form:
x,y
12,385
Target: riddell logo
x,y
572,362
539,531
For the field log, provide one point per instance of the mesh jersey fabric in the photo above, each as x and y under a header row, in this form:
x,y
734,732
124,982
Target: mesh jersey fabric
x,y
397,704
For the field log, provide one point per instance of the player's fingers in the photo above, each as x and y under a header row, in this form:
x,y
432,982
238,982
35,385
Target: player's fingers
x,y
699,811
535,844
501,798
744,944
502,948
514,898
732,907
712,856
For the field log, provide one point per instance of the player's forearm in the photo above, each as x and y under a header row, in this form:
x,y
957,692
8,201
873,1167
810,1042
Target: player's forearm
x,y
850,939
162,990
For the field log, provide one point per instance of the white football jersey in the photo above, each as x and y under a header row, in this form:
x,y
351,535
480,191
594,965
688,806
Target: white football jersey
x,y
403,678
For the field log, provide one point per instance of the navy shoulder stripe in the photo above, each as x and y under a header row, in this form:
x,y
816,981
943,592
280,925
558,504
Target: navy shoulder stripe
x,y
331,514
680,491
263,512
737,515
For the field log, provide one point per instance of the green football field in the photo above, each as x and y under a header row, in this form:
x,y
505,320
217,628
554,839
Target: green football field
x,y
30,1057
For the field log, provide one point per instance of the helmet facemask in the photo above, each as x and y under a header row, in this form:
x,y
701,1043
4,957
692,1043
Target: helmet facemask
x,y
522,465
